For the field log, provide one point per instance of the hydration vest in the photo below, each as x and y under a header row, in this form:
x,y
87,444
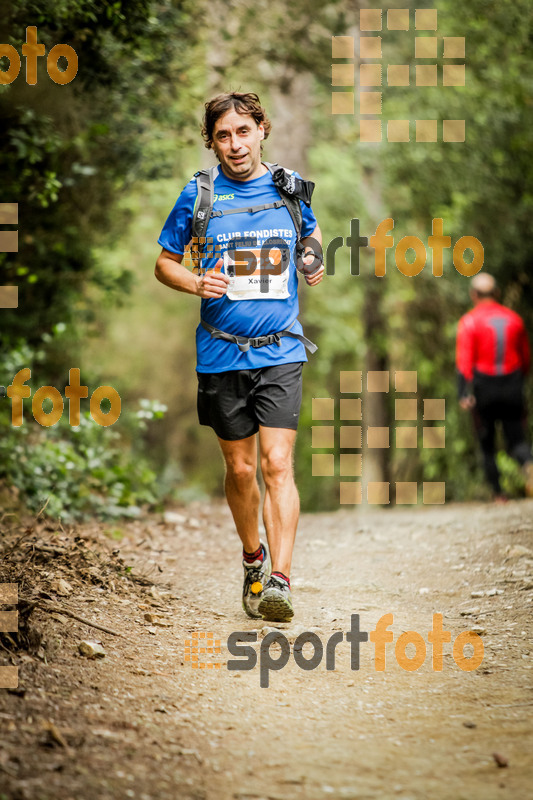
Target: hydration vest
x,y
291,190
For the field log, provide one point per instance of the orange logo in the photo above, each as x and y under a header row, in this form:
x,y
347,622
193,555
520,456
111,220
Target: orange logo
x,y
31,51
199,646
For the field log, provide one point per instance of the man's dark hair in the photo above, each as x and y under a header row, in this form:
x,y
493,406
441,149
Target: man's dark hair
x,y
242,102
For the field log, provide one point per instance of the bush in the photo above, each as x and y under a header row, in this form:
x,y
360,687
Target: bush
x,y
82,471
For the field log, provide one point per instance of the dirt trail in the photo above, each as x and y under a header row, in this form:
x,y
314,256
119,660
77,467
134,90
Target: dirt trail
x,y
142,723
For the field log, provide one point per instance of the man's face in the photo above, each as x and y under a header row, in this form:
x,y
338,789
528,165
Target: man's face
x,y
237,143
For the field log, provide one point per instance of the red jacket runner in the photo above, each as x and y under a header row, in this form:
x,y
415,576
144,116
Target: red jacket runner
x,y
491,340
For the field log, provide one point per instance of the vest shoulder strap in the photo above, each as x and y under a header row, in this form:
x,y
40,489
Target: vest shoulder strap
x,y
205,185
291,203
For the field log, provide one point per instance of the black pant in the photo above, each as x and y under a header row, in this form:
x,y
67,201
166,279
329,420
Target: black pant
x,y
500,398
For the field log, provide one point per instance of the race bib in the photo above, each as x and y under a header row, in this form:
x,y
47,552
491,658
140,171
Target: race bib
x,y
258,273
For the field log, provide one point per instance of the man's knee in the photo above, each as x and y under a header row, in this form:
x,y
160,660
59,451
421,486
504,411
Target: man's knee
x,y
276,465
240,472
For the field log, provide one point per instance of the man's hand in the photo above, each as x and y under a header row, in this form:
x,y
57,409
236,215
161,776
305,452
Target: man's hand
x,y
467,403
213,283
313,278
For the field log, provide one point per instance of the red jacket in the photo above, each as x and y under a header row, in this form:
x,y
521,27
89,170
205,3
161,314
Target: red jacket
x,y
492,340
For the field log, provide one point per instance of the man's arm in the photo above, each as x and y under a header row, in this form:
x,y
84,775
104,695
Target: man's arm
x,y
170,271
464,359
525,352
313,245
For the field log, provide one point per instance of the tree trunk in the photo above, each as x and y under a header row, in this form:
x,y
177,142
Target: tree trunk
x,y
290,101
376,461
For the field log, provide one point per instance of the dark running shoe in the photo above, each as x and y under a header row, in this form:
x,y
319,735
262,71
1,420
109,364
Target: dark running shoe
x,y
255,578
276,601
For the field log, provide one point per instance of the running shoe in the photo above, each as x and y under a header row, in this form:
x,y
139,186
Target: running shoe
x,y
276,601
501,499
256,576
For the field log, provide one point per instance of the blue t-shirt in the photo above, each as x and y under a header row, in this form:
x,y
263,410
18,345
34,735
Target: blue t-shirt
x,y
255,317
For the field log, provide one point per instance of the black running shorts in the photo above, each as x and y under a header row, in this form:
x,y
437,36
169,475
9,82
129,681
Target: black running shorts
x,y
237,402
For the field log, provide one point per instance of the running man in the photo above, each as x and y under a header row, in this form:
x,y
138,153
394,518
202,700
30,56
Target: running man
x,y
493,359
252,225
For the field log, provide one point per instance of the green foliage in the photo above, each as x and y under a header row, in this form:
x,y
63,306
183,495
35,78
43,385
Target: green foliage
x,y
481,187
117,534
511,478
69,152
293,38
79,471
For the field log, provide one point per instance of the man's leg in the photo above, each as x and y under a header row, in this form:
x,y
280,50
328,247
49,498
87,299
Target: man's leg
x,y
242,491
514,423
282,503
484,424
280,514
